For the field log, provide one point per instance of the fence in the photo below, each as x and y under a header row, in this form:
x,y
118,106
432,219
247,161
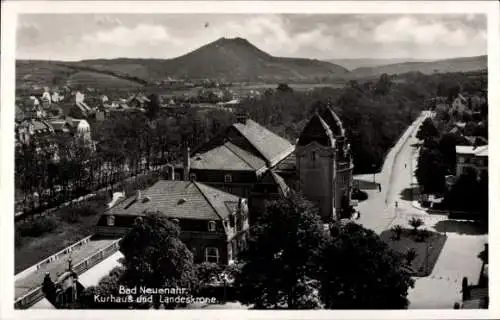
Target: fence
x,y
37,294
52,258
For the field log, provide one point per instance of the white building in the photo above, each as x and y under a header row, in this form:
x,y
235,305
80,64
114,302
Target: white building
x,y
472,157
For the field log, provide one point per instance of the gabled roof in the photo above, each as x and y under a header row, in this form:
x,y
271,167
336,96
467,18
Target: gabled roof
x,y
333,121
283,188
316,130
227,157
287,164
272,147
180,199
59,125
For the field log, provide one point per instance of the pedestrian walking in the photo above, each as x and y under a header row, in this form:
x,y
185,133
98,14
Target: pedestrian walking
x,y
405,165
396,204
379,188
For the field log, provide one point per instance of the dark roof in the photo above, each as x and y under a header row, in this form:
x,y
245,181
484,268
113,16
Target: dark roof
x,y
59,125
316,130
272,147
227,157
333,121
287,164
283,188
180,199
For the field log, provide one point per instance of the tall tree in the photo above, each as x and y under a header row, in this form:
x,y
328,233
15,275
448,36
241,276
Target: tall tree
x,y
153,106
359,271
280,261
161,259
427,130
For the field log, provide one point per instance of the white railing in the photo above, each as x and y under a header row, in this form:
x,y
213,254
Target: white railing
x,y
52,258
36,294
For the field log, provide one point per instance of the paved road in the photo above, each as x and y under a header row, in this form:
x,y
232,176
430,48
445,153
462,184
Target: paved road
x,y
458,257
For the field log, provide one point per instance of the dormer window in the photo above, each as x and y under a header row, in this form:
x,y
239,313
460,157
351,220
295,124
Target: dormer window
x,y
111,220
176,221
228,178
211,226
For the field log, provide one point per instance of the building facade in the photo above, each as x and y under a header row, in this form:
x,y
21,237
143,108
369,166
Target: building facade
x,y
470,157
213,223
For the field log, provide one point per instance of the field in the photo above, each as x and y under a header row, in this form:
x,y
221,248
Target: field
x,y
102,81
39,237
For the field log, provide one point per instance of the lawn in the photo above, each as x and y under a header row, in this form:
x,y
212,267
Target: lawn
x,y
430,247
41,236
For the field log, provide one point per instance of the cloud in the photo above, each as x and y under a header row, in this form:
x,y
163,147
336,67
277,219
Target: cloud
x,y
27,33
107,21
419,32
308,36
122,36
273,33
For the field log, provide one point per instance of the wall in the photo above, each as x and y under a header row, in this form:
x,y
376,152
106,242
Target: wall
x,y
317,177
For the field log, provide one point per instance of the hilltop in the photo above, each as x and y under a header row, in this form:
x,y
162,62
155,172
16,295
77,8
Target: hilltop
x,y
427,67
354,63
229,60
224,59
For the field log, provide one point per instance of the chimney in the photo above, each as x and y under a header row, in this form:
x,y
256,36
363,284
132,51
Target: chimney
x,y
187,164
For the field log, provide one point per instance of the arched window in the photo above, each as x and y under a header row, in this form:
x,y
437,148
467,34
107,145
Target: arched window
x,y
211,254
211,226
111,220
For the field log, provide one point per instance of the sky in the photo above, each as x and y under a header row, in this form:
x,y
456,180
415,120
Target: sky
x,y
318,36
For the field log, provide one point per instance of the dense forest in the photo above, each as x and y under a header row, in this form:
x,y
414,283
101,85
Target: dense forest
x,y
374,113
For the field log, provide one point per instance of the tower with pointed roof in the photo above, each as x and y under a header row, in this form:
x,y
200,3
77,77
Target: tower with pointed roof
x,y
324,163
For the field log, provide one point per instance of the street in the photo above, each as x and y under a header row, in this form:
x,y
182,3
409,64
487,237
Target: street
x,y
458,257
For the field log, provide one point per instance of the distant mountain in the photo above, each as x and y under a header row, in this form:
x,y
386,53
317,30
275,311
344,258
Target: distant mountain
x,y
430,67
226,59
352,64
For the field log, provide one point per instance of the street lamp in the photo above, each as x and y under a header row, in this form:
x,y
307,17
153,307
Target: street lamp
x,y
373,167
427,247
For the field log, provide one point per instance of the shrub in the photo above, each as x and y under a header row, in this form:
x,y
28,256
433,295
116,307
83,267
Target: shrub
x,y
415,223
422,235
36,226
397,230
410,255
359,195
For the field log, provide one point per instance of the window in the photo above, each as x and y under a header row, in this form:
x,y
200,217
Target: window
x,y
176,221
192,176
211,226
228,178
461,159
212,254
313,156
111,220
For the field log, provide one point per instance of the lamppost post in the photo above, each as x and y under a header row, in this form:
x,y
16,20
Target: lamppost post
x,y
373,167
